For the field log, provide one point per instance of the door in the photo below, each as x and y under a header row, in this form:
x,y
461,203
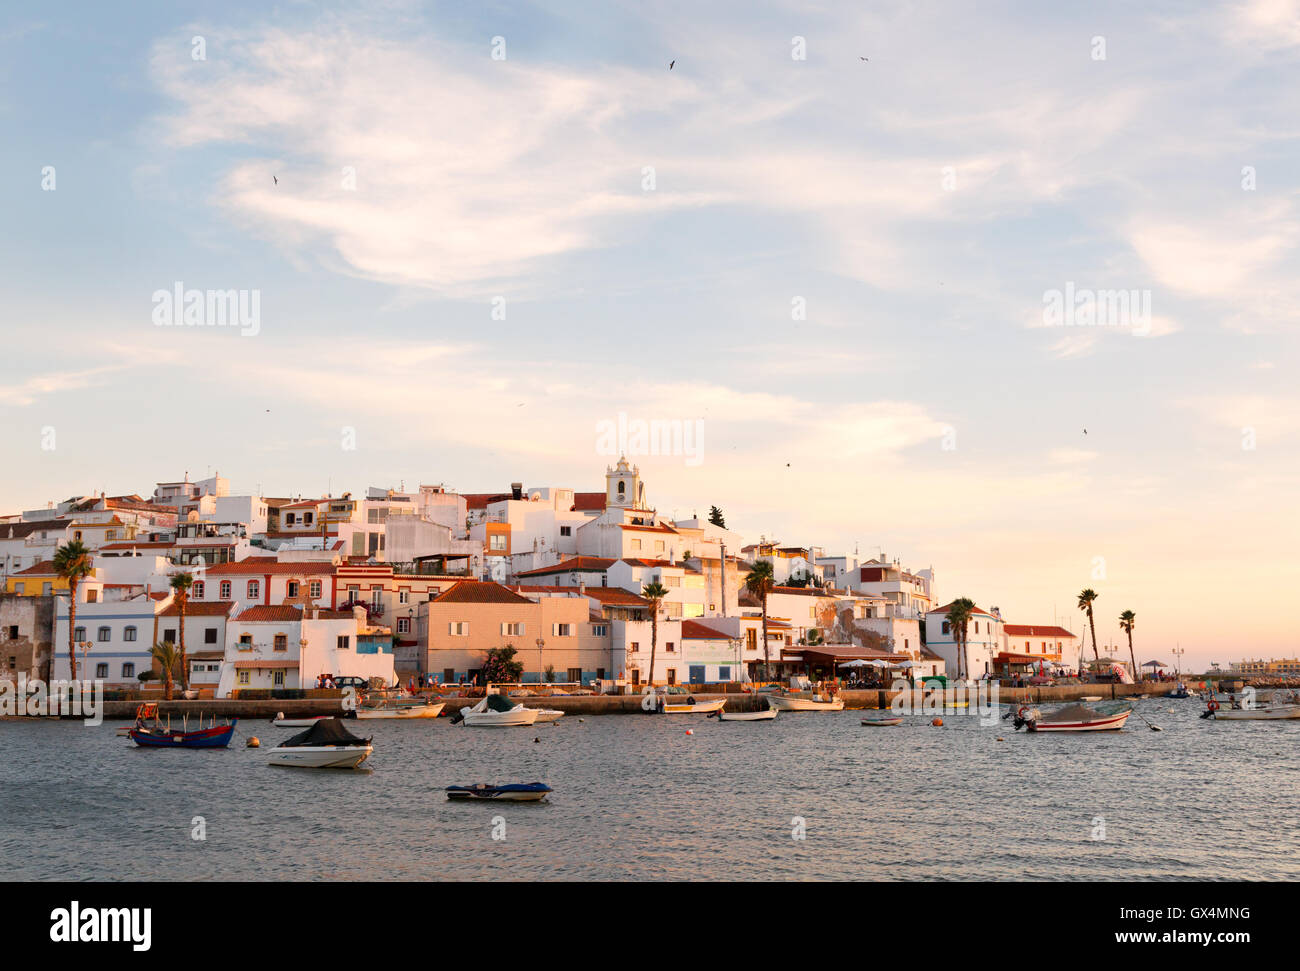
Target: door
x,y
697,674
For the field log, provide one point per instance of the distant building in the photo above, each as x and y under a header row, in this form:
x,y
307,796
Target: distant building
x,y
1262,668
26,636
983,641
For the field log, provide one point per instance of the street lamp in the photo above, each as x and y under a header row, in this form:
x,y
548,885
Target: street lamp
x,y
1178,653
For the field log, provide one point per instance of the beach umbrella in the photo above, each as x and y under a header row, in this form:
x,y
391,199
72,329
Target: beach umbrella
x,y
905,664
855,663
1154,664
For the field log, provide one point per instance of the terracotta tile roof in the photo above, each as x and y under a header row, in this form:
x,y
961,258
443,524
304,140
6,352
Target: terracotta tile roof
x,y
45,568
267,612
304,504
801,591
255,566
287,662
589,502
481,592
662,528
948,606
20,530
580,564
616,596
138,546
480,500
1036,630
693,630
199,608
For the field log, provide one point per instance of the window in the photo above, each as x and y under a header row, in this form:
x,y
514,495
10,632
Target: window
x,y
403,596
289,519
47,589
751,640
376,594
104,635
13,634
671,581
634,648
20,587
281,642
210,635
403,625
672,675
497,541
724,673
448,675
946,627
458,628
599,630
243,677
314,589
575,675
512,630
635,544
277,679
600,673
562,630
977,627
79,633
169,636
254,589
101,670
659,546
225,589
307,518
128,633
92,596
196,590
245,643
668,647
344,642
291,589
128,670
77,535
566,530
110,534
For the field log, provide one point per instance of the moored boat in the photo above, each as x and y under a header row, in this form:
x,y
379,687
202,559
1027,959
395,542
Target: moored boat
x,y
496,711
882,722
279,721
325,745
762,715
790,702
514,792
400,708
158,735
1071,718
545,715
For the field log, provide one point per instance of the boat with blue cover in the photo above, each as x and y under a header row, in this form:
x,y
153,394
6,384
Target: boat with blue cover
x,y
513,792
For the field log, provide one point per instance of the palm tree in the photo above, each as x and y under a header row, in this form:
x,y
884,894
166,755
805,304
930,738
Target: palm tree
x,y
760,583
1086,599
1126,622
959,615
181,584
72,563
655,593
164,652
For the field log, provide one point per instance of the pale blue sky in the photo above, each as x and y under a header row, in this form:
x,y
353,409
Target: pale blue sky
x,y
775,178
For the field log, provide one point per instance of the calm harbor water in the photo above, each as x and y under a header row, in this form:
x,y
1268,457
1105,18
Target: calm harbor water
x,y
636,798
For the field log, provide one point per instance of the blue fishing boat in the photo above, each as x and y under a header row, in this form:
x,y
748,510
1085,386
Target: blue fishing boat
x,y
514,792
159,735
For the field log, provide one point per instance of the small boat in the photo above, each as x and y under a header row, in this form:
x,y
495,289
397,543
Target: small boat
x,y
692,707
1179,692
279,721
158,735
1071,718
326,745
496,711
1091,698
762,715
789,702
882,722
514,792
400,708
545,715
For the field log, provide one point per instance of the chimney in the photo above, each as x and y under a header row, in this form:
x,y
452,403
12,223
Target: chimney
x,y
516,490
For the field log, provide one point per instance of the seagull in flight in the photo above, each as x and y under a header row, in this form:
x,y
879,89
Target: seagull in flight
x,y
671,63
860,58
1085,431
277,181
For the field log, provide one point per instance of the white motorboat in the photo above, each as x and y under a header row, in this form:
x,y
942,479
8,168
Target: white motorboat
x,y
545,715
675,700
279,721
692,707
1265,713
400,708
325,745
1071,718
496,711
1091,698
762,715
791,702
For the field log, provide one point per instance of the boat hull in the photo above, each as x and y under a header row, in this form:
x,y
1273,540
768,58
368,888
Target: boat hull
x,y
882,722
515,718
410,711
1257,714
748,716
805,704
218,737
297,722
545,715
517,793
699,707
321,756
1106,724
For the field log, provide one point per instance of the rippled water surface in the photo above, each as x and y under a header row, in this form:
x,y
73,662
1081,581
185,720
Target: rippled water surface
x,y
637,798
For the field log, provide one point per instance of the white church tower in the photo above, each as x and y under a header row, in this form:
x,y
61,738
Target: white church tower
x,y
623,486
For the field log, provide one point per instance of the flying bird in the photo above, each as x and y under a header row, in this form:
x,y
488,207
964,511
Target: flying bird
x,y
1085,431
277,181
671,63
861,58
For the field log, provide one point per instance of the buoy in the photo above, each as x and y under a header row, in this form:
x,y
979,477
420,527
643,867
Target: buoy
x,y
689,732
537,740
253,742
937,723
279,716
1001,739
582,719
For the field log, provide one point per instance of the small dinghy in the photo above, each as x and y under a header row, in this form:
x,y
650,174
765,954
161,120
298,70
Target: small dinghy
x,y
514,792
762,715
399,708
326,745
279,721
1091,698
1071,718
882,722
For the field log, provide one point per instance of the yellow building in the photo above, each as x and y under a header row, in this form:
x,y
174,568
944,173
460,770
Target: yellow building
x,y
36,581
1263,668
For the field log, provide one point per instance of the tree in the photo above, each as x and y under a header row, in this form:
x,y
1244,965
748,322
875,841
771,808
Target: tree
x,y
500,665
760,582
715,517
655,593
181,584
1126,623
1086,599
164,652
959,615
72,563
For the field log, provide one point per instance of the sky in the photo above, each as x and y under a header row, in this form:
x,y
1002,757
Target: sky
x,y
866,283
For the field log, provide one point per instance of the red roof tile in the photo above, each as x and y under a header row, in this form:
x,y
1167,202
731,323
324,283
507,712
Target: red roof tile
x,y
695,631
482,592
1036,630
199,608
256,566
269,613
579,564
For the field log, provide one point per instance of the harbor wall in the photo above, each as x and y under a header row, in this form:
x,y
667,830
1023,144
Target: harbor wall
x,y
255,709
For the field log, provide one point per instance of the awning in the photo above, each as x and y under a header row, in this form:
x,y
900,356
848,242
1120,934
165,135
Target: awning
x,y
825,654
1005,657
265,665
